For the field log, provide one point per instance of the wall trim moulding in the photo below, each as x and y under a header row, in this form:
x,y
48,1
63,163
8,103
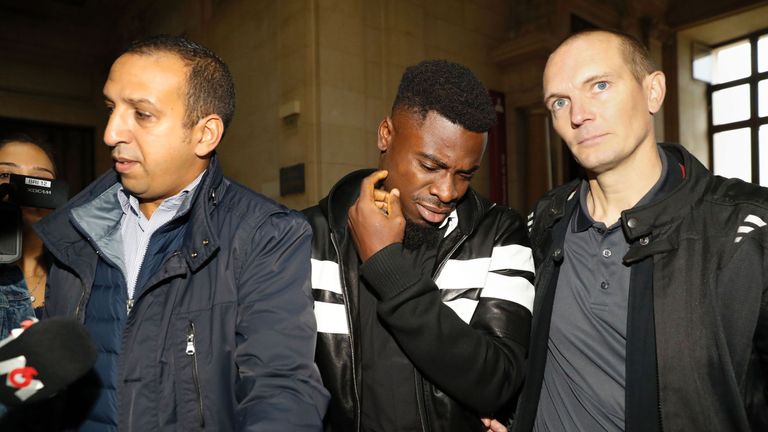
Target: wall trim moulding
x,y
531,46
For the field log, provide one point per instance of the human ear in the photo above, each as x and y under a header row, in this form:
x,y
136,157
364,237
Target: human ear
x,y
209,131
384,135
656,89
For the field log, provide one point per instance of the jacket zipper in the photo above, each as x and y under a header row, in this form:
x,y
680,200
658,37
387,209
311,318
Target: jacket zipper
x,y
60,256
447,257
190,351
132,293
419,380
351,339
80,302
132,301
658,399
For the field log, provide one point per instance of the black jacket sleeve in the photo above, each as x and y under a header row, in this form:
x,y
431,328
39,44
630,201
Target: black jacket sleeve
x,y
480,364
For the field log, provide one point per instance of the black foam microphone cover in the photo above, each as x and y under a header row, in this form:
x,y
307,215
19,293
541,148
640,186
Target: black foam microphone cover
x,y
43,360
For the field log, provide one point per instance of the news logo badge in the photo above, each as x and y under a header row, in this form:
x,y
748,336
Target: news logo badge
x,y
20,377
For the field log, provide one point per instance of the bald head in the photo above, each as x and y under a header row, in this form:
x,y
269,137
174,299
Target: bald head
x,y
634,53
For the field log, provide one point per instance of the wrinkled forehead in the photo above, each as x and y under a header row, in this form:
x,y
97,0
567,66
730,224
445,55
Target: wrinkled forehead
x,y
583,55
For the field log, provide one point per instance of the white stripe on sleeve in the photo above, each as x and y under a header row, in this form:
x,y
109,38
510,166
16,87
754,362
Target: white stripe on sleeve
x,y
755,220
513,257
511,288
463,307
331,318
460,274
325,276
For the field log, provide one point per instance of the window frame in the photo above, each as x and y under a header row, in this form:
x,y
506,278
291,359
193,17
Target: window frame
x,y
754,122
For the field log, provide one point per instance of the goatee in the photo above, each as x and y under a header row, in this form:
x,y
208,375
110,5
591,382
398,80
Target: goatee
x,y
417,235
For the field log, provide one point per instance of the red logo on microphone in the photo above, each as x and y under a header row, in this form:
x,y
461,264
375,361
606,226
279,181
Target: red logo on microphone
x,y
22,377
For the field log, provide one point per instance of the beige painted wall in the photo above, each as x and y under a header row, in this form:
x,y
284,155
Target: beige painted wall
x,y
341,60
692,98
267,46
364,47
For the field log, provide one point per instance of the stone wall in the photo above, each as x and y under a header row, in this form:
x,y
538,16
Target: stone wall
x,y
340,60
336,63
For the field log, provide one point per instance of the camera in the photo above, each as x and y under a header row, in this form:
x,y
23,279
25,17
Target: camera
x,y
24,191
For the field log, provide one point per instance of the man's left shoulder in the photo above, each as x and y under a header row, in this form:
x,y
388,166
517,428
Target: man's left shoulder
x,y
732,191
506,216
501,221
736,210
253,208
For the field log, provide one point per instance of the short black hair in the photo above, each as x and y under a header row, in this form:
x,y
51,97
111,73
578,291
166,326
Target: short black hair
x,y
210,88
449,89
39,142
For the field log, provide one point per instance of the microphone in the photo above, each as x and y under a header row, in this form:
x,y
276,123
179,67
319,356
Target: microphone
x,y
43,360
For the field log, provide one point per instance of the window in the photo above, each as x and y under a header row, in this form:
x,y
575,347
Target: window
x,y
738,99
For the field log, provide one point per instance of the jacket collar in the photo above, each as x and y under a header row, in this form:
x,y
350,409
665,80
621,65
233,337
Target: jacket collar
x,y
471,208
560,204
641,221
671,176
59,234
644,225
201,241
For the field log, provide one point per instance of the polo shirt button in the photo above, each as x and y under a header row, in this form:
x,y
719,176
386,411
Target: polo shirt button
x,y
604,285
606,253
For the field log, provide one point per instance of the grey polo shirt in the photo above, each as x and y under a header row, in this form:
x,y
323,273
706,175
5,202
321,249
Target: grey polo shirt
x,y
584,378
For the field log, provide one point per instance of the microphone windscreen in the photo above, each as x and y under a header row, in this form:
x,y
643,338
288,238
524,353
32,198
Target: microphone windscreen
x,y
44,359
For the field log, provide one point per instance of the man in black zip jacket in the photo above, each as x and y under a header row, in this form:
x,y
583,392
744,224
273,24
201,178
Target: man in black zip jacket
x,y
651,309
422,288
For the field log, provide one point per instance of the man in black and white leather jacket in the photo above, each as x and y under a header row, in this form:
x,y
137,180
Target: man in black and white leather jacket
x,y
422,288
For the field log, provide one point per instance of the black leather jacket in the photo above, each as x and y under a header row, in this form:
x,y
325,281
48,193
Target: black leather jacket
x,y
466,367
706,247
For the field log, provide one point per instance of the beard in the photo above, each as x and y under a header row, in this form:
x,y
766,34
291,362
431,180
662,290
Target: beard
x,y
417,235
